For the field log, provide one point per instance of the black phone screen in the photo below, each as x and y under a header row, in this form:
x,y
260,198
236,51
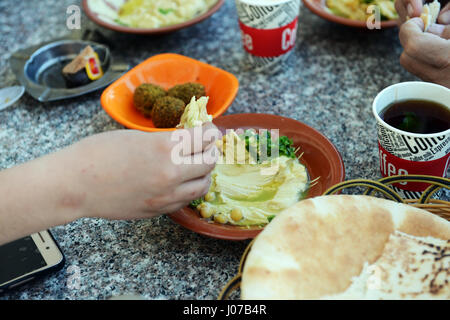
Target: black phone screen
x,y
18,258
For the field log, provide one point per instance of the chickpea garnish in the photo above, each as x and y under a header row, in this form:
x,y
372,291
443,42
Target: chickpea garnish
x,y
236,214
210,196
220,218
206,211
201,205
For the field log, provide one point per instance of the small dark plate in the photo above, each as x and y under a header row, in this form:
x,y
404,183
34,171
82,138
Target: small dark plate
x,y
39,69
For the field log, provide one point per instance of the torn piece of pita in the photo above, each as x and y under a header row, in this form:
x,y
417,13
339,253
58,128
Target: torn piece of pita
x,y
321,247
430,13
195,113
409,268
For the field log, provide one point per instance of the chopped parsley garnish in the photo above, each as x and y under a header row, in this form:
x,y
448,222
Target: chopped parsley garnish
x,y
261,147
118,21
165,11
196,202
286,146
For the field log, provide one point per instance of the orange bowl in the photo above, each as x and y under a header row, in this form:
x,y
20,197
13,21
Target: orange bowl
x,y
167,70
319,8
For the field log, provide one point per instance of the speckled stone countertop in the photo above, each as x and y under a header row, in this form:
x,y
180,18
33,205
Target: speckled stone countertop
x,y
329,83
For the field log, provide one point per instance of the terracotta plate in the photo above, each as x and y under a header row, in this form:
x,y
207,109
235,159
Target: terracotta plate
x,y
319,8
117,27
320,158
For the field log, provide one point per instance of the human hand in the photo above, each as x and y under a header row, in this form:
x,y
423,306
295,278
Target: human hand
x,y
129,174
444,15
121,174
408,8
426,54
413,8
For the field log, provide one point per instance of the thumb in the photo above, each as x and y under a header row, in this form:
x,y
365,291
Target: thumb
x,y
411,31
415,24
444,16
413,7
440,30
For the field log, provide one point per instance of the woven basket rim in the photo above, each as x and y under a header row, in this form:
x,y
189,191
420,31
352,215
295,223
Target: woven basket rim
x,y
434,206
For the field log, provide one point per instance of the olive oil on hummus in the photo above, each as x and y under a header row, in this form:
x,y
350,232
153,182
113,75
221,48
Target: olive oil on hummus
x,y
247,192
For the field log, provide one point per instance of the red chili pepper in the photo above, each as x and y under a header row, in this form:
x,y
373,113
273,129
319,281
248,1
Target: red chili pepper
x,y
93,66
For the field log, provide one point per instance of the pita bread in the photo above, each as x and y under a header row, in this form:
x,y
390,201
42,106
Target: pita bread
x,y
430,13
315,248
409,268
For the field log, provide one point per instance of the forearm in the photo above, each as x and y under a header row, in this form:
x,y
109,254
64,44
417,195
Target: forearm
x,y
37,195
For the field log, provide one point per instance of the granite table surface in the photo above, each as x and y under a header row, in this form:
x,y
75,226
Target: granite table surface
x,y
328,83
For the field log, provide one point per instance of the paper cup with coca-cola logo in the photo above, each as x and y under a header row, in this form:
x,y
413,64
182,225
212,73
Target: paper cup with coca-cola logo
x,y
403,153
268,29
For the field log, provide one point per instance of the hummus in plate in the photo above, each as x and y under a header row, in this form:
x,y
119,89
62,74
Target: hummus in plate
x,y
246,190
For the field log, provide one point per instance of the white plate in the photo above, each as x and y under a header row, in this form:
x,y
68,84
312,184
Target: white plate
x,y
10,95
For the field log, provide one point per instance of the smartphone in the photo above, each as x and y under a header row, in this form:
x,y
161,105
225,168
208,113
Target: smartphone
x,y
28,258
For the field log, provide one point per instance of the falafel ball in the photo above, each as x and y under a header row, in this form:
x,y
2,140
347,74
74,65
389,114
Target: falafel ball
x,y
145,96
167,112
186,91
